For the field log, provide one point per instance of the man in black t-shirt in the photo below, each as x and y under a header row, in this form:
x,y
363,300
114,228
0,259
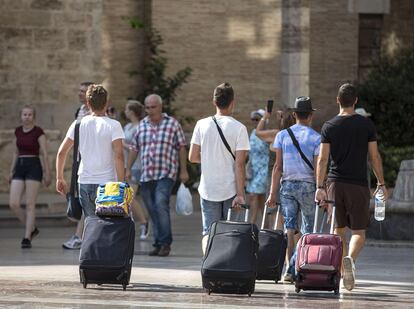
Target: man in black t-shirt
x,y
346,140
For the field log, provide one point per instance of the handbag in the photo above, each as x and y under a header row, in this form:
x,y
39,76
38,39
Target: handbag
x,y
74,207
296,144
184,202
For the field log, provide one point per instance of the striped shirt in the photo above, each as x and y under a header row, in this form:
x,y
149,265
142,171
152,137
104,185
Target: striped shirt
x,y
294,168
158,147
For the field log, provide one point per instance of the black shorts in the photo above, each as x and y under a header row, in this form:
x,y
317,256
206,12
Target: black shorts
x,y
28,168
352,205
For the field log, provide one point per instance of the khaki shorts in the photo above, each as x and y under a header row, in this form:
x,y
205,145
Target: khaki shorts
x,y
352,204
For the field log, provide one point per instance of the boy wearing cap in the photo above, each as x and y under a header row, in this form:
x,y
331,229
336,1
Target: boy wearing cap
x,y
294,173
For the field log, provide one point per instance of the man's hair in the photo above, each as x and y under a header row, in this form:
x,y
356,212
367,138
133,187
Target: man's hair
x,y
223,95
347,95
86,84
153,96
302,115
96,95
136,107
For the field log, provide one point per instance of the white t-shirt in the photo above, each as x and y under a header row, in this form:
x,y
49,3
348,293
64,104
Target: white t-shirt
x,y
96,135
218,179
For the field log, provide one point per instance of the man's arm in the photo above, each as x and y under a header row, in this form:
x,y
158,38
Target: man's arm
x,y
61,185
119,159
376,164
183,165
321,167
194,155
276,176
240,162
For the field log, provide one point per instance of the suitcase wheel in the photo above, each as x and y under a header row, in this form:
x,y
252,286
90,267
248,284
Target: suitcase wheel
x,y
297,290
84,284
336,291
124,286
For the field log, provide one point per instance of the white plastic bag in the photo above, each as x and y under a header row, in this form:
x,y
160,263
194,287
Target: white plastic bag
x,y
184,203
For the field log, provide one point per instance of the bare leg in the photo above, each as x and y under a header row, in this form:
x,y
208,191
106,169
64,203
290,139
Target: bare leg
x,y
291,245
253,207
16,191
356,243
342,233
137,210
260,204
79,227
32,189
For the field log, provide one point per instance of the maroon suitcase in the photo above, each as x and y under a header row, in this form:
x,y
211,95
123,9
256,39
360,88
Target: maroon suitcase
x,y
319,258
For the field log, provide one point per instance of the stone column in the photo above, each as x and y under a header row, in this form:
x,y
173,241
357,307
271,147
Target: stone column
x,y
122,49
295,50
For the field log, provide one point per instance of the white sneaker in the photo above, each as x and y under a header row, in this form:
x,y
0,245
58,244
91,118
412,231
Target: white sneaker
x,y
73,243
144,231
349,273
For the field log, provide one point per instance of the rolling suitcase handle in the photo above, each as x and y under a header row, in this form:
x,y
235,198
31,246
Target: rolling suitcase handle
x,y
269,212
246,214
315,223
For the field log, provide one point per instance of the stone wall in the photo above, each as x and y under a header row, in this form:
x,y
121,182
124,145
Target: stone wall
x,y
333,53
47,47
236,41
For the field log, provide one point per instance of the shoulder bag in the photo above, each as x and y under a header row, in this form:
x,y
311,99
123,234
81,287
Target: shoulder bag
x,y
296,143
74,208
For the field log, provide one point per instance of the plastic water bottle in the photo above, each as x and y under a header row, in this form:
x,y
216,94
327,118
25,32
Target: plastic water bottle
x,y
379,213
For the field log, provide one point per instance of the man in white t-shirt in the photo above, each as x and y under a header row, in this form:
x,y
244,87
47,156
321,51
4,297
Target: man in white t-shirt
x,y
100,147
222,169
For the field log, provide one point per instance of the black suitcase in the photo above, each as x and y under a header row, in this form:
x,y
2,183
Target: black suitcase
x,y
107,251
272,250
230,262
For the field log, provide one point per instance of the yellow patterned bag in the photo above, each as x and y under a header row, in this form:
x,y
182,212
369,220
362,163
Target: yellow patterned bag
x,y
113,199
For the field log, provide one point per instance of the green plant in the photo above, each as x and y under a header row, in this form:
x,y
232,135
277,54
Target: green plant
x,y
153,73
155,81
391,160
388,94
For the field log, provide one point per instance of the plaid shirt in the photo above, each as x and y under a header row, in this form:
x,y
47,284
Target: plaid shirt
x,y
158,147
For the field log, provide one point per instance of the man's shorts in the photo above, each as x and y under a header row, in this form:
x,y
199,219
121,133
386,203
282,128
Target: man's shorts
x,y
28,168
352,205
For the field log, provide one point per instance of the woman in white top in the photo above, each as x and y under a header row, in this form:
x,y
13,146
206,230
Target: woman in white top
x,y
134,112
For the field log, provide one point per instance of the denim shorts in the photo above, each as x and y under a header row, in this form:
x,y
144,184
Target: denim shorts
x,y
298,196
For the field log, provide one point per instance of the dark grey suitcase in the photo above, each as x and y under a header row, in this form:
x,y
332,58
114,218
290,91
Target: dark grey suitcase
x,y
230,261
272,250
107,251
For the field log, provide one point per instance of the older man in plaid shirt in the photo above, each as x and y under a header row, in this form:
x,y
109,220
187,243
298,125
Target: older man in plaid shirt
x,y
161,144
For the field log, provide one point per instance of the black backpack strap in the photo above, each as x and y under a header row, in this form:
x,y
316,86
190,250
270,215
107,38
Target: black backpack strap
x,y
296,143
223,138
76,161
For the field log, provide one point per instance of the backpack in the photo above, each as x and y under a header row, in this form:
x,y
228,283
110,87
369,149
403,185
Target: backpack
x,y
113,199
